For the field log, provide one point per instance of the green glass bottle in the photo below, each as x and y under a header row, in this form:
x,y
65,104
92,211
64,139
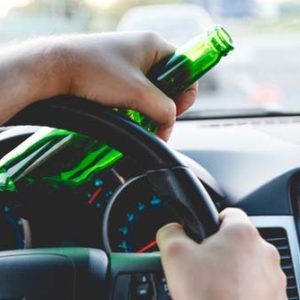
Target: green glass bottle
x,y
190,62
172,75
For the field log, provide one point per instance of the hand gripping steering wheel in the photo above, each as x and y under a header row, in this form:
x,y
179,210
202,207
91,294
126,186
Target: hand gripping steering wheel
x,y
83,273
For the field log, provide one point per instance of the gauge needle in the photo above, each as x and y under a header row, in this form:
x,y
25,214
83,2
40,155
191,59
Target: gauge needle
x,y
147,247
95,195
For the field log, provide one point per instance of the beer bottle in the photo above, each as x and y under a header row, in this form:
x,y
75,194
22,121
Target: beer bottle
x,y
174,74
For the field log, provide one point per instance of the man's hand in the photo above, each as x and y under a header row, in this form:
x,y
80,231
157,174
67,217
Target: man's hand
x,y
233,264
108,68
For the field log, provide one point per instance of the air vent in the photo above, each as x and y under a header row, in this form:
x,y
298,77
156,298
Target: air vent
x,y
278,238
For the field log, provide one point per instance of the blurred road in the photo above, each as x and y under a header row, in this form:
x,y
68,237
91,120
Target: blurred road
x,y
263,70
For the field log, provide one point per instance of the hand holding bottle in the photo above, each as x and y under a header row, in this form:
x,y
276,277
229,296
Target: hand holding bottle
x,y
108,68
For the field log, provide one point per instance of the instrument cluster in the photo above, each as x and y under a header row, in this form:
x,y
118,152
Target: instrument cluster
x,y
46,212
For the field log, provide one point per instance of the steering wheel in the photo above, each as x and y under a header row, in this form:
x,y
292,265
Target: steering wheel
x,y
83,273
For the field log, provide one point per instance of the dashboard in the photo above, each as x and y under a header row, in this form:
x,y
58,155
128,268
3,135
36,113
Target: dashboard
x,y
250,163
256,163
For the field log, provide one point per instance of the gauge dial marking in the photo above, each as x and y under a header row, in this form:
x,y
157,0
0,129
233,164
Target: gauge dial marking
x,y
155,200
130,217
95,195
124,230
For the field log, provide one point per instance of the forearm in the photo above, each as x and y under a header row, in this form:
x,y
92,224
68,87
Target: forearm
x,y
29,72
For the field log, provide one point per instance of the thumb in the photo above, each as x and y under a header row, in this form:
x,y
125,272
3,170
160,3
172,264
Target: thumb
x,y
175,247
173,241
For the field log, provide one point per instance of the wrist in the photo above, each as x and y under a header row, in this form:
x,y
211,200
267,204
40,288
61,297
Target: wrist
x,y
41,70
32,71
48,70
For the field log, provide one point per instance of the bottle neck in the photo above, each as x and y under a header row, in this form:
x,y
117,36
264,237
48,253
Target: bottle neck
x,y
191,61
221,40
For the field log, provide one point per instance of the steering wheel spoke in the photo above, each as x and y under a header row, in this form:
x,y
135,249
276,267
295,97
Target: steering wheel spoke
x,y
53,273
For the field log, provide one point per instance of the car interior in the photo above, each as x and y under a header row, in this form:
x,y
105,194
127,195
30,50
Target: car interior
x,y
83,190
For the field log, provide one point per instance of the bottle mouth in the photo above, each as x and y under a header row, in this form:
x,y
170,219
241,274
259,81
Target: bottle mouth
x,y
222,39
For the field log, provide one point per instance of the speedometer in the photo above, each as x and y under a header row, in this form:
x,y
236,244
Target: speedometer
x,y
133,218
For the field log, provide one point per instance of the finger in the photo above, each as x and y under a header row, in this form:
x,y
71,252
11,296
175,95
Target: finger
x,y
166,49
187,99
152,102
231,216
238,223
171,239
159,48
164,132
151,49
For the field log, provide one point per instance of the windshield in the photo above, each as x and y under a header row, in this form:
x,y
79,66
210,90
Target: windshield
x,y
260,76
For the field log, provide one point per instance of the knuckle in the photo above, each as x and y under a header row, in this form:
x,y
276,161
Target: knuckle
x,y
233,210
273,253
176,247
170,113
282,280
139,92
245,232
152,37
153,42
279,281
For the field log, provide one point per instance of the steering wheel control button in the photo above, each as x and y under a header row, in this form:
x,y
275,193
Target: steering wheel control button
x,y
142,278
164,284
162,289
144,291
142,287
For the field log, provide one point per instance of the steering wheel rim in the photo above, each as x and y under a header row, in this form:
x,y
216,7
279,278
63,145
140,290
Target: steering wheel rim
x,y
80,115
